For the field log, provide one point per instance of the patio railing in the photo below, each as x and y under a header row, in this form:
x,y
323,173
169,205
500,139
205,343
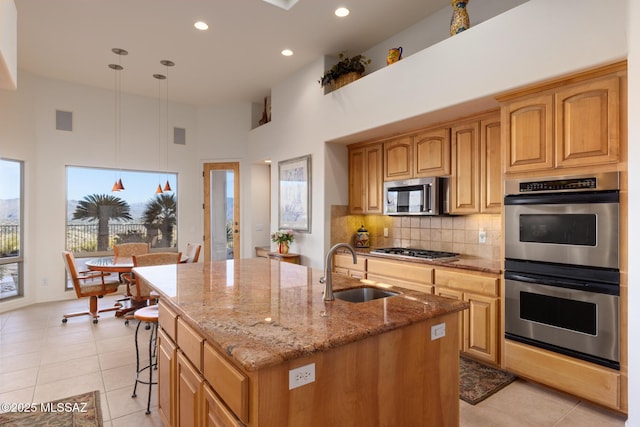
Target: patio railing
x,y
9,240
84,237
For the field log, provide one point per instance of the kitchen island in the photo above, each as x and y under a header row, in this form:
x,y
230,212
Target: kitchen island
x,y
232,331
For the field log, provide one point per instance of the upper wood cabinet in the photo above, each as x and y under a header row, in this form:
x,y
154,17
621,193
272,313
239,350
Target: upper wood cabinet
x,y
432,153
490,165
587,127
573,122
365,179
398,159
476,166
464,188
424,154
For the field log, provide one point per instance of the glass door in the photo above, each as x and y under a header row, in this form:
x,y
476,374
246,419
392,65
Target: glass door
x,y
221,211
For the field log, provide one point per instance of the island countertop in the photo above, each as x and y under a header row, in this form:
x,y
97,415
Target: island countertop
x,y
262,312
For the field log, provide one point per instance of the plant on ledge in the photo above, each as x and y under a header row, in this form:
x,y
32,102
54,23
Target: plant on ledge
x,y
344,67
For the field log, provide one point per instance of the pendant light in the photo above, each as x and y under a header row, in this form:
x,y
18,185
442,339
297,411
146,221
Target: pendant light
x,y
167,64
160,77
117,185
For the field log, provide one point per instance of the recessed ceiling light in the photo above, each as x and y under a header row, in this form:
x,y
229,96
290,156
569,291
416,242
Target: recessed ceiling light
x,y
341,12
268,161
287,52
201,25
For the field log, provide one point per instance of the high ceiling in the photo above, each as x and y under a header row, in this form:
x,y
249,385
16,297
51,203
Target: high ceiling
x,y
237,60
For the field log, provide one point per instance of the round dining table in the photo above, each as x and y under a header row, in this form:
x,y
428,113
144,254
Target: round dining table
x,y
111,264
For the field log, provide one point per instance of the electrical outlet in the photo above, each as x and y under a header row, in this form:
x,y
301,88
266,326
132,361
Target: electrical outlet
x,y
303,375
385,232
438,331
482,236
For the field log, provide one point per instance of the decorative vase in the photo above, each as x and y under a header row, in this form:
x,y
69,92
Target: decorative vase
x,y
283,248
394,55
362,237
460,17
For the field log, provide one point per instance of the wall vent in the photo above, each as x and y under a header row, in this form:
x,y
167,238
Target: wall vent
x,y
64,120
179,136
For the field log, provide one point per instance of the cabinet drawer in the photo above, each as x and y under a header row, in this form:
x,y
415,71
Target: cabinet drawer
x,y
215,412
428,289
467,282
167,319
346,261
190,342
401,270
227,381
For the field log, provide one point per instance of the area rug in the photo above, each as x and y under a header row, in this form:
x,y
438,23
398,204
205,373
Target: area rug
x,y
479,381
82,410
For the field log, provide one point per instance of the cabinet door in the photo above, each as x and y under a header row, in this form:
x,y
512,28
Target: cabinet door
x,y
215,413
465,169
457,295
189,386
480,322
398,159
587,123
365,179
166,379
490,165
528,134
432,153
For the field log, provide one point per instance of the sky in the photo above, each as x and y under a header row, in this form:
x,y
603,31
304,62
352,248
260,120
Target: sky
x,y
9,179
138,186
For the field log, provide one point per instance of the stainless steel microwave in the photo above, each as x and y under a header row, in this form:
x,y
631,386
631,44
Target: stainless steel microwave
x,y
420,196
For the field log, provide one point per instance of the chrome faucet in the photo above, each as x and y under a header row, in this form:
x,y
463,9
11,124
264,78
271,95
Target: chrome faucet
x,y
328,267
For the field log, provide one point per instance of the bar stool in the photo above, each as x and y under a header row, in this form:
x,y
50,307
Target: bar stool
x,y
150,316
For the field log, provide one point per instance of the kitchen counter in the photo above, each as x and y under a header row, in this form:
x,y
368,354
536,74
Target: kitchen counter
x,y
254,340
262,312
464,262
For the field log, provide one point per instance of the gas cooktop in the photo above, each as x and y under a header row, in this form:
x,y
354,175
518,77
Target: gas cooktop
x,y
417,253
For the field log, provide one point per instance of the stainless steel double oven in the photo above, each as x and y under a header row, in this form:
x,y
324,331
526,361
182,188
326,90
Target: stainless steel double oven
x,y
562,278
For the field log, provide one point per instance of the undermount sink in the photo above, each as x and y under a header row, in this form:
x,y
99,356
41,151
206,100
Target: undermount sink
x,y
364,294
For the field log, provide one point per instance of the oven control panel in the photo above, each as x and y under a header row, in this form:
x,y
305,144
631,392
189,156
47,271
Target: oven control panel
x,y
596,182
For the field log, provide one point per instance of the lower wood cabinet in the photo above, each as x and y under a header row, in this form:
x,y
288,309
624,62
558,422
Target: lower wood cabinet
x,y
214,411
197,386
343,264
480,333
189,385
480,326
167,356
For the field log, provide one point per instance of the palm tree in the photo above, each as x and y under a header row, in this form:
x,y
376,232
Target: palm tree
x,y
160,214
102,207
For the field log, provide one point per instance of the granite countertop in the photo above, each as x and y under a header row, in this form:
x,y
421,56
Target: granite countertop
x,y
464,262
262,312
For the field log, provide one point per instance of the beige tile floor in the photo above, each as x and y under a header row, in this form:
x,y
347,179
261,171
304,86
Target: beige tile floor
x,y
41,360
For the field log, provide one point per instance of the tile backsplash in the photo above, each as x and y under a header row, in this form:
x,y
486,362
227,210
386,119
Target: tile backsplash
x,y
444,233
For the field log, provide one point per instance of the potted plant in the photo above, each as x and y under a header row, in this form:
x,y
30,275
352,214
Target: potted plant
x,y
345,71
282,238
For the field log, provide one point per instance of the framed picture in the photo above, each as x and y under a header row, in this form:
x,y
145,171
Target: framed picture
x,y
294,209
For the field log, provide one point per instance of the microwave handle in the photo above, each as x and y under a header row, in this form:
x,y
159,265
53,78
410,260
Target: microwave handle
x,y
427,199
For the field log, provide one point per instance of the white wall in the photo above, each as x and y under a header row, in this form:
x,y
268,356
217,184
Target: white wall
x,y
8,45
27,132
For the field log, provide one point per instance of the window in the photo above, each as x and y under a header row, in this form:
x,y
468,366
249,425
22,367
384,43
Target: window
x,y
98,218
11,256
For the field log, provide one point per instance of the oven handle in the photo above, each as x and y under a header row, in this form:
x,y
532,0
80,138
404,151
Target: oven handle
x,y
611,196
601,288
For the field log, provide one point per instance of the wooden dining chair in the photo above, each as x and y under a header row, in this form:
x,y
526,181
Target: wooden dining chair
x,y
130,249
193,252
91,284
142,295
